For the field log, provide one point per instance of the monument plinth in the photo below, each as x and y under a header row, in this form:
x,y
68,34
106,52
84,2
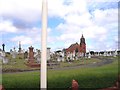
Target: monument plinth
x,y
31,55
31,61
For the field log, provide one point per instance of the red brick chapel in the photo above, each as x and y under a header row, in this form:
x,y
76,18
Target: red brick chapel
x,y
77,48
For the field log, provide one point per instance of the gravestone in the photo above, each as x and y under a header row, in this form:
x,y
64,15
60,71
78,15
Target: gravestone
x,y
25,55
38,56
11,51
98,54
74,55
20,49
115,53
71,56
89,55
3,45
105,53
110,53
58,58
1,55
48,54
31,55
31,61
14,53
62,54
5,60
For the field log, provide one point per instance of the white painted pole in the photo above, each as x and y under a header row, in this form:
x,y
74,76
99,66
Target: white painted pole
x,y
44,46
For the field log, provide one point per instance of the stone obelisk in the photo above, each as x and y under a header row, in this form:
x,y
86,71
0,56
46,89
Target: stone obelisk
x,y
19,47
44,46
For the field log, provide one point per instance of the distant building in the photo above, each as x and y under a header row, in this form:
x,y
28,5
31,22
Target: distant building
x,y
77,50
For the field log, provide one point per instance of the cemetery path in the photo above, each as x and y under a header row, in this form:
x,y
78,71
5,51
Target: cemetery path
x,y
94,64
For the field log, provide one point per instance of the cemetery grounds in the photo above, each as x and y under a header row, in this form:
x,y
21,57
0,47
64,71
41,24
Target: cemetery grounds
x,y
19,76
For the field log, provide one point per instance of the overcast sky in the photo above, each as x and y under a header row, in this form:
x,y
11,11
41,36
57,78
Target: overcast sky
x,y
20,20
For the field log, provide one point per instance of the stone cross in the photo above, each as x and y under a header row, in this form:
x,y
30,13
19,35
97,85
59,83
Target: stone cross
x,y
3,46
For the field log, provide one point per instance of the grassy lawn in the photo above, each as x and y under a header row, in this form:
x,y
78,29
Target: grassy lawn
x,y
79,62
18,64
87,77
98,77
21,80
15,64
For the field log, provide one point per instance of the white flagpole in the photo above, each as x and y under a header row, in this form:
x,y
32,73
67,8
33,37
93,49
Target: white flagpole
x,y
44,46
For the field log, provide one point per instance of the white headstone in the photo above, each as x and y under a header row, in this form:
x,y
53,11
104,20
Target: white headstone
x,y
74,53
11,51
3,54
1,57
14,53
48,54
110,53
58,58
115,53
62,56
38,56
98,54
5,60
89,55
105,54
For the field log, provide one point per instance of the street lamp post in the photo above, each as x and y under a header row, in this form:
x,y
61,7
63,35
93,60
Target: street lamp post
x,y
44,47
